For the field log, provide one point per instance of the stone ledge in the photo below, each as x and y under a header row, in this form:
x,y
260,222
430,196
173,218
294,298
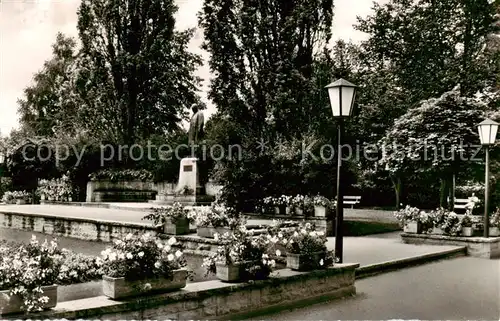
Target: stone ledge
x,y
476,246
217,299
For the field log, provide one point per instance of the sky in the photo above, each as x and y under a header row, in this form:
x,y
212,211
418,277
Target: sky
x,y
28,29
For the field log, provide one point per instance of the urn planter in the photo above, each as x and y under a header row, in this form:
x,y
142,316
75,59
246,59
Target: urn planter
x,y
210,231
12,303
320,211
494,231
177,227
304,262
117,288
412,227
467,231
228,272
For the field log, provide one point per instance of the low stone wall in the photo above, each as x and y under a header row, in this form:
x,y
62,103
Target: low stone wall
x,y
99,191
82,229
215,299
324,224
488,248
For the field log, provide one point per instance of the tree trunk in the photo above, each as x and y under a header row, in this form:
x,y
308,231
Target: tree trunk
x,y
445,192
396,182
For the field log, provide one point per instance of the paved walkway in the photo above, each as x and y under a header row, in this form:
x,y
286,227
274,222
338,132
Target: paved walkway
x,y
458,289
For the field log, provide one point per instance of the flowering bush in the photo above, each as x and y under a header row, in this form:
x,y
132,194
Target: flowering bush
x,y
58,189
495,219
29,267
321,201
308,205
140,258
173,213
407,214
216,215
451,225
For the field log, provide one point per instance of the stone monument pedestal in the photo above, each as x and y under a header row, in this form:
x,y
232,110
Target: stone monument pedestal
x,y
188,191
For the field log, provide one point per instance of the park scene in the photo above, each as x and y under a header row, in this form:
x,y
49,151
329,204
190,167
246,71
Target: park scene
x,y
226,159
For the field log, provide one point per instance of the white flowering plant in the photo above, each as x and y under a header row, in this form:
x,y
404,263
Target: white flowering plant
x,y
297,201
79,268
241,247
175,212
27,268
439,217
495,218
407,214
11,197
217,215
466,220
142,257
305,240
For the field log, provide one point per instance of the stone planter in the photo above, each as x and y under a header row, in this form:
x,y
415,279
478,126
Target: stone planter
x,y
117,288
276,210
180,227
79,291
320,211
288,210
412,227
467,231
209,231
494,231
304,262
20,201
228,273
42,197
12,304
437,231
299,211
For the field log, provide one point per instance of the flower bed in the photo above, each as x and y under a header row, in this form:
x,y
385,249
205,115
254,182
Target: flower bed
x,y
59,189
16,197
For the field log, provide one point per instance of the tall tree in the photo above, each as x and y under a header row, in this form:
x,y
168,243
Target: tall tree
x,y
137,75
47,106
431,45
262,55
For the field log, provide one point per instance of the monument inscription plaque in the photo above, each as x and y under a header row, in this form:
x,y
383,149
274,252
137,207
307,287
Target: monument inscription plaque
x,y
188,168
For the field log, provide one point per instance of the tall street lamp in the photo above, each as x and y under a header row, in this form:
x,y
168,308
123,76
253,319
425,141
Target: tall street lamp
x,y
487,133
342,94
2,161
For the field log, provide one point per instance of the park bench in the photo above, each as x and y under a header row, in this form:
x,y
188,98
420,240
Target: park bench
x,y
460,204
352,200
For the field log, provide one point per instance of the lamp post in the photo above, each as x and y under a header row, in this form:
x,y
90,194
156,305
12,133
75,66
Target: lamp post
x,y
342,94
2,160
487,134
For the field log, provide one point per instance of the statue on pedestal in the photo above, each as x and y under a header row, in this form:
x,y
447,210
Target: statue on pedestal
x,y
196,132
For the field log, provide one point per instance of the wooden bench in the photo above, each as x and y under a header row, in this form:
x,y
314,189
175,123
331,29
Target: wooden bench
x,y
460,204
352,200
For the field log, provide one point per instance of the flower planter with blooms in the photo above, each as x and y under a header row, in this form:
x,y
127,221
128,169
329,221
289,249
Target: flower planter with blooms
x,y
175,219
297,204
212,220
409,219
268,205
241,256
28,275
16,197
466,224
322,206
138,265
280,204
439,217
306,248
495,223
